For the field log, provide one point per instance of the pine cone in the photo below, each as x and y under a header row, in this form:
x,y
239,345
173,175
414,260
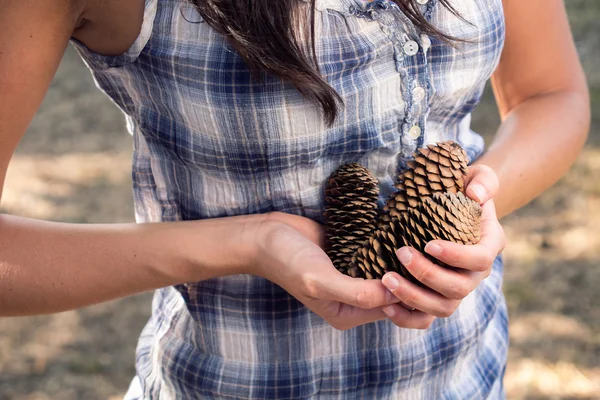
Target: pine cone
x,y
444,216
435,169
429,205
351,212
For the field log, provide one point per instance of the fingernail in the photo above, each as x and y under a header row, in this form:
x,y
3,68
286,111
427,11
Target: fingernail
x,y
404,255
389,311
391,282
479,192
433,249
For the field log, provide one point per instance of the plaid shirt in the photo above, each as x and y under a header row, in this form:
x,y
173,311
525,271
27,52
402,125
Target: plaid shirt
x,y
211,142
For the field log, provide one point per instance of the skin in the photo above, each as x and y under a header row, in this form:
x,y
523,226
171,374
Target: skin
x,y
543,101
48,267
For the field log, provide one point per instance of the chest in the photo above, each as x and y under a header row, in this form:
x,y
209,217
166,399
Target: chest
x,y
389,74
196,103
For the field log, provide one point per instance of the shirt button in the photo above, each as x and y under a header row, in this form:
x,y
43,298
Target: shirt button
x,y
418,93
411,48
425,42
414,132
422,1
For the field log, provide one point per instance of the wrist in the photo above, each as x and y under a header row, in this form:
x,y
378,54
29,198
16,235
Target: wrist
x,y
250,236
212,248
264,235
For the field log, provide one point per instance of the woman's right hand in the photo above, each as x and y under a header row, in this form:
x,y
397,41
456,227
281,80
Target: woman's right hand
x,y
288,254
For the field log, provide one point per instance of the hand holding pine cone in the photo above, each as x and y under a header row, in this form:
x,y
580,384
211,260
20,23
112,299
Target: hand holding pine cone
x,y
429,205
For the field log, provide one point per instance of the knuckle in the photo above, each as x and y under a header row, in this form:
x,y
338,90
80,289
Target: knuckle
x,y
274,214
338,325
490,176
429,322
408,299
481,267
458,291
488,261
483,167
425,323
446,310
485,263
312,287
364,299
424,276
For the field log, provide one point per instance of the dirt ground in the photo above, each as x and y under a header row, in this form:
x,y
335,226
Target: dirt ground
x,y
73,165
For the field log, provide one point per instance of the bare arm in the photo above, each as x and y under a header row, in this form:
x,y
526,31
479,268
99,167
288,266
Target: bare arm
x,y
543,100
48,267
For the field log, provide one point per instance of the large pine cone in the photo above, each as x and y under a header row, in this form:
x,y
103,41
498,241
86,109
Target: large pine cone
x,y
437,168
351,212
444,216
429,205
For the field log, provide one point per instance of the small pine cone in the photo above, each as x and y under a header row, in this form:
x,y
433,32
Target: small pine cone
x,y
351,212
437,168
443,216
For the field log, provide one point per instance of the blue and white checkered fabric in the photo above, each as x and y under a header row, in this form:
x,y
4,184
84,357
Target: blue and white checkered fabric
x,y
210,142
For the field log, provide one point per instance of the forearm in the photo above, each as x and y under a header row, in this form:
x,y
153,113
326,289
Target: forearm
x,y
537,142
49,267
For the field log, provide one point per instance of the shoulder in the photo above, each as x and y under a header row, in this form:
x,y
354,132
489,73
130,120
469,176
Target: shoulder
x,y
109,27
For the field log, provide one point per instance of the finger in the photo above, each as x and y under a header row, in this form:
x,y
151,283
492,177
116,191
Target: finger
x,y
364,294
489,212
349,317
452,284
346,316
481,183
478,257
418,297
404,318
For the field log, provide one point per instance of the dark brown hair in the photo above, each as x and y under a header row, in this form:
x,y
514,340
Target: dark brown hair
x,y
278,37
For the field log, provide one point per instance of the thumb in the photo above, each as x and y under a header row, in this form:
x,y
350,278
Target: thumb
x,y
482,183
365,294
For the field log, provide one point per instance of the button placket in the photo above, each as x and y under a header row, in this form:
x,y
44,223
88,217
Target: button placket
x,y
417,88
411,63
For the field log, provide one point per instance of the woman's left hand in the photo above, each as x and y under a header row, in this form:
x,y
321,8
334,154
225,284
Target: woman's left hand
x,y
473,263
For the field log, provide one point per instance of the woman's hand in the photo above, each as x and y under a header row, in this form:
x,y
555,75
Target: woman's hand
x,y
473,262
288,254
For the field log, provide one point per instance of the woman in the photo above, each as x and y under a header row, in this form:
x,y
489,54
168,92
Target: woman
x,y
239,111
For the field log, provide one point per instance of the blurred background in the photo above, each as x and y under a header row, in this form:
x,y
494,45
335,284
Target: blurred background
x,y
74,165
